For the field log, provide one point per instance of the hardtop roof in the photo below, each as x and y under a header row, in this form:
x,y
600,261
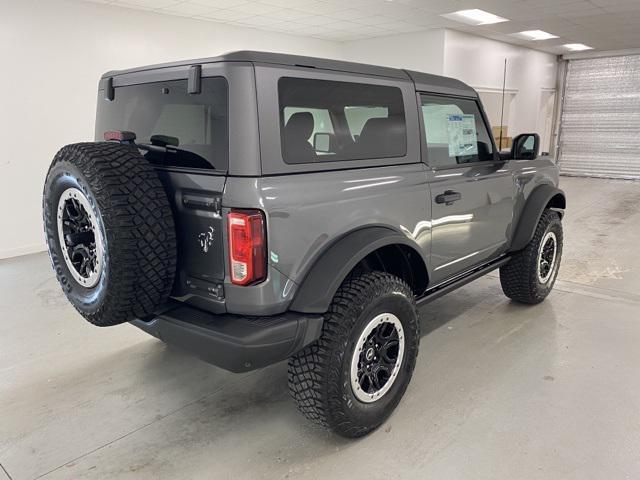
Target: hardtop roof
x,y
423,81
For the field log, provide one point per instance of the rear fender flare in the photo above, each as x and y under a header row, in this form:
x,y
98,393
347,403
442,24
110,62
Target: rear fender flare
x,y
331,268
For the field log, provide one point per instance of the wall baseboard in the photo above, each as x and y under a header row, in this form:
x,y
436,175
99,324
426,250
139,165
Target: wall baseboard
x,y
24,250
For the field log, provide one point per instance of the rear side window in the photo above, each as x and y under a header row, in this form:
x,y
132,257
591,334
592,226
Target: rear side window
x,y
181,129
455,131
322,120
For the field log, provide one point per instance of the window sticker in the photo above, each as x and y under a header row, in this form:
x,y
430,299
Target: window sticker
x,y
463,139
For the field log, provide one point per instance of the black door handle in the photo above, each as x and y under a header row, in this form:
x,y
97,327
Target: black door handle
x,y
448,197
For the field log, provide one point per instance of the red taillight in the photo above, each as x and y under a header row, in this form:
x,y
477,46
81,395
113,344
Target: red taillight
x,y
119,136
247,246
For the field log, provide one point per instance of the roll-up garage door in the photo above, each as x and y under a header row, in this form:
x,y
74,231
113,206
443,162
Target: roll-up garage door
x,y
600,124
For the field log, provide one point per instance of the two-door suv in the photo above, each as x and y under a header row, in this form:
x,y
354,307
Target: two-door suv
x,y
257,207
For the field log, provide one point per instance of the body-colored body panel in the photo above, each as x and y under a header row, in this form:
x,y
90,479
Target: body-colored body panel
x,y
311,207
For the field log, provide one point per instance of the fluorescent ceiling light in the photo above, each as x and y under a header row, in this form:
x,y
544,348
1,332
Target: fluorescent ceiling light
x,y
576,47
535,35
474,17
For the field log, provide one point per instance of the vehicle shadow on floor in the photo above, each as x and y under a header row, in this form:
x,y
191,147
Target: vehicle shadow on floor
x,y
438,313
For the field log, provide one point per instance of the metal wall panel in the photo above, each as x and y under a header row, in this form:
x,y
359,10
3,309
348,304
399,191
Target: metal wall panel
x,y
600,126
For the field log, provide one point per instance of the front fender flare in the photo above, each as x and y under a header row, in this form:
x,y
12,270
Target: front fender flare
x,y
538,200
327,273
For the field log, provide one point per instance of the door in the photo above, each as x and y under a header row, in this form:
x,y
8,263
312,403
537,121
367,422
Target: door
x,y
472,192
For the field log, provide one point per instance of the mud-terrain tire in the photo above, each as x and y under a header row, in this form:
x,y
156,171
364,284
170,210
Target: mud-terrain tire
x,y
321,377
525,278
116,259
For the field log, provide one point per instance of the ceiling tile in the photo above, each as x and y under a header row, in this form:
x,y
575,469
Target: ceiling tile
x,y
187,9
147,4
373,20
286,14
349,14
219,3
257,21
583,12
254,8
284,3
342,25
224,15
599,23
322,8
315,20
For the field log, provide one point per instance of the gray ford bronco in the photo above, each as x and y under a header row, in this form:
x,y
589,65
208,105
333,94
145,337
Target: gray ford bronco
x,y
257,207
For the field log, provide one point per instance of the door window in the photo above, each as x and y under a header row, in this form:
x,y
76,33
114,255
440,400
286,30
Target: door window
x,y
455,131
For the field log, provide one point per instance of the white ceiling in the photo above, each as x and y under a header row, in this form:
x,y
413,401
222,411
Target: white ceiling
x,y
601,24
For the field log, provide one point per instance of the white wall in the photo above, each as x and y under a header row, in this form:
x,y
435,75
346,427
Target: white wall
x,y
53,53
421,51
479,62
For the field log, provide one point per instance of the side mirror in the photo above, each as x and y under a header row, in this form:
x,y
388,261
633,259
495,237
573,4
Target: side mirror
x,y
322,142
525,146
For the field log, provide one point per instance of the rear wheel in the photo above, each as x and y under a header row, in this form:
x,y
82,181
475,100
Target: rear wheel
x,y
531,273
110,232
354,376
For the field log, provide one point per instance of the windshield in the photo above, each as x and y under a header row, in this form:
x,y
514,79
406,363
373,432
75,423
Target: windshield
x,y
194,128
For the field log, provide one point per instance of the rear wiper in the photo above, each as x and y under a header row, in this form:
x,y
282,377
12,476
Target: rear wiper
x,y
164,144
129,138
161,143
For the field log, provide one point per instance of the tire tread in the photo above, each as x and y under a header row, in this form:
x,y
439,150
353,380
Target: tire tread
x,y
314,373
138,223
518,278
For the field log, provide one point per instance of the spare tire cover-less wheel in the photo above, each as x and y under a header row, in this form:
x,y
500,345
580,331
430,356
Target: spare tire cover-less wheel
x,y
110,231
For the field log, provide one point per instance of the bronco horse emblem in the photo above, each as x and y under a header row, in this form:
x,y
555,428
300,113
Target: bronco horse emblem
x,y
206,239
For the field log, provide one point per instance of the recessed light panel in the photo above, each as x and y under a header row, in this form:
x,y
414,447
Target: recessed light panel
x,y
577,47
535,35
474,17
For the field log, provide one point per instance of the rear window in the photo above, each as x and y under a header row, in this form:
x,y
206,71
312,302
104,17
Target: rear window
x,y
322,121
181,129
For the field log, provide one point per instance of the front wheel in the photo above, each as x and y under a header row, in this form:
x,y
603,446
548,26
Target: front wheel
x,y
354,376
530,274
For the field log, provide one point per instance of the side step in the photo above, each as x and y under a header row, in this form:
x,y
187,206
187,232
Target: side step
x,y
459,281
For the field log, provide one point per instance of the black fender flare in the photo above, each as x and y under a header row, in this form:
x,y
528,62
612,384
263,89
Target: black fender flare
x,y
320,284
541,197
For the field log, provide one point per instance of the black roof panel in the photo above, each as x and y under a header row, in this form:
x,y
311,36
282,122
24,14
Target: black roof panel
x,y
435,83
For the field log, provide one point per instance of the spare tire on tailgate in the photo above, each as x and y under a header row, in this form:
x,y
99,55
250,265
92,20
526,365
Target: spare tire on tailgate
x,y
110,231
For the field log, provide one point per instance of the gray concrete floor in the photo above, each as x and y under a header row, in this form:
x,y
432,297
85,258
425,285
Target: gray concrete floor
x,y
500,391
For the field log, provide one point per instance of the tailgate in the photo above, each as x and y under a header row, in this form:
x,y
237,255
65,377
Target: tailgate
x,y
196,201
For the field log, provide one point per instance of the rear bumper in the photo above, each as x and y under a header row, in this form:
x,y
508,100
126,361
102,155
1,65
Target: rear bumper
x,y
234,342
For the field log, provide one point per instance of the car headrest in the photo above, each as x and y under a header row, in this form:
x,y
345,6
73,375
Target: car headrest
x,y
382,136
300,125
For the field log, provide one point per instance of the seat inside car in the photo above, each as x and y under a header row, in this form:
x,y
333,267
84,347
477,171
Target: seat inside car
x,y
297,132
381,137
